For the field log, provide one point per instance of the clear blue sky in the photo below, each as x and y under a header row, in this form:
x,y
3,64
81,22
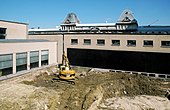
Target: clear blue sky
x,y
50,13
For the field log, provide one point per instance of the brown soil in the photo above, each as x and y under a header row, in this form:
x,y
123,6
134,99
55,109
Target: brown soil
x,y
91,89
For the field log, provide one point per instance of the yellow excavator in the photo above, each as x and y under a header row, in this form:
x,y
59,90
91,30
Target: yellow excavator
x,y
66,73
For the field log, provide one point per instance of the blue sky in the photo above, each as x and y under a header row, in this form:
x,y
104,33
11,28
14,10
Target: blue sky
x,y
50,13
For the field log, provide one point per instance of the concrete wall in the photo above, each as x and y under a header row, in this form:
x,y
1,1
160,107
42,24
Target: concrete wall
x,y
15,30
108,42
56,38
13,48
123,42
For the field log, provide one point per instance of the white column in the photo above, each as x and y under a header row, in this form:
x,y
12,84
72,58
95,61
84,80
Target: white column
x,y
14,63
28,60
57,51
39,58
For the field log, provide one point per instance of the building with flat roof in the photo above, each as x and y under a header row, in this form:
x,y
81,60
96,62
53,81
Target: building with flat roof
x,y
123,45
13,30
17,53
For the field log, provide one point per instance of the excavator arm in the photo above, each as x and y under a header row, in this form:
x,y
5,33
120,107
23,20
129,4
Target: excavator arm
x,y
66,73
65,61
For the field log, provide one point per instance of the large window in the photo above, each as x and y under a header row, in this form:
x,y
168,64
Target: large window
x,y
6,64
44,57
131,42
165,43
21,61
115,42
74,41
148,43
87,41
34,59
100,42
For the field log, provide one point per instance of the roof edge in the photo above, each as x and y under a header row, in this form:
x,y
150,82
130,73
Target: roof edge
x,y
14,22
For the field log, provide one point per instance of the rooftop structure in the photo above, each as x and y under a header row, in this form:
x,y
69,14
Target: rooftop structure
x,y
71,19
127,16
125,24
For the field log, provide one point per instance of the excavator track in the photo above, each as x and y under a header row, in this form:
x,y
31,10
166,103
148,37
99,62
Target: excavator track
x,y
62,80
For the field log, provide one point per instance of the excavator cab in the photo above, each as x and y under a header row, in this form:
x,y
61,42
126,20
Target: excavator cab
x,y
66,73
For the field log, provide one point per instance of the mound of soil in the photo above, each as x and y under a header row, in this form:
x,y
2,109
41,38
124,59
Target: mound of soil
x,y
94,87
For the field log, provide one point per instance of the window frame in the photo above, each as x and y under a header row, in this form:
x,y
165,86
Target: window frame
x,y
73,42
86,43
101,42
165,46
44,55
21,58
113,44
147,45
131,45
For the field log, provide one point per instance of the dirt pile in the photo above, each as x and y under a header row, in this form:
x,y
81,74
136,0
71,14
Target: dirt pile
x,y
93,90
142,102
94,87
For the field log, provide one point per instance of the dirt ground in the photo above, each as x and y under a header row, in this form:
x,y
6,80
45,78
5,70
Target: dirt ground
x,y
93,90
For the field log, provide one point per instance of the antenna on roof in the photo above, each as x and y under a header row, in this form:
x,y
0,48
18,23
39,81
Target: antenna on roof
x,y
153,22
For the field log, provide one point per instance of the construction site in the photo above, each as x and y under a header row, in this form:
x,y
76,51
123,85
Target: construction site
x,y
93,89
96,66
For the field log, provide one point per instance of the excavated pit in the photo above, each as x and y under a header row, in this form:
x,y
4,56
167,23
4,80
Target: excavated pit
x,y
92,89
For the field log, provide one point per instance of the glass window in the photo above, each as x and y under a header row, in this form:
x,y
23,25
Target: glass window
x,y
87,41
2,33
116,42
2,30
2,37
74,41
100,42
6,64
131,42
165,43
147,43
34,59
21,58
44,57
5,61
21,61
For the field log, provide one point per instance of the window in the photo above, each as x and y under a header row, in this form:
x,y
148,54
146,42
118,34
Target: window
x,y
74,41
44,57
148,43
116,42
165,43
21,61
87,41
34,59
131,43
2,30
2,37
6,64
2,33
100,42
